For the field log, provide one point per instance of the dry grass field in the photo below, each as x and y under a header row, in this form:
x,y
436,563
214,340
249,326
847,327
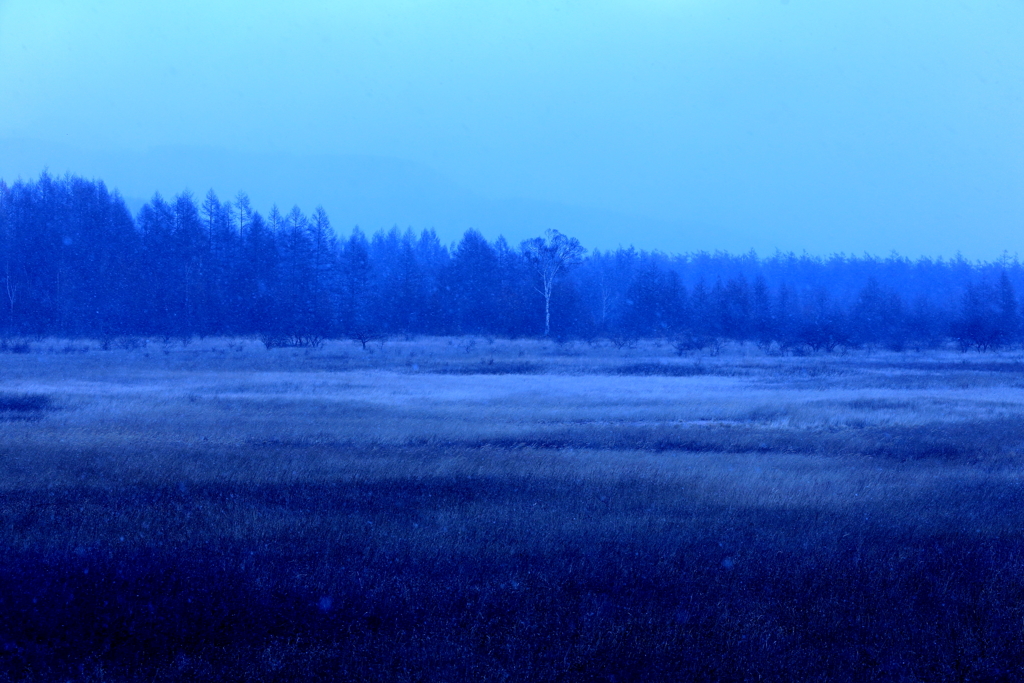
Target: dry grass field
x,y
520,510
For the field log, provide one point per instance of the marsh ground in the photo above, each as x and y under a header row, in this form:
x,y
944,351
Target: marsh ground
x,y
473,509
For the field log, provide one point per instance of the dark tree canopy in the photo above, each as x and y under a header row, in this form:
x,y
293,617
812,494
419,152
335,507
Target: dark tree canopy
x,y
75,262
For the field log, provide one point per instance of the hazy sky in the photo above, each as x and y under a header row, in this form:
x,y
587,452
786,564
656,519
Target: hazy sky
x,y
818,125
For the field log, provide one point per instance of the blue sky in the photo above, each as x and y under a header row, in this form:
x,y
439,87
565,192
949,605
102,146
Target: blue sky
x,y
730,124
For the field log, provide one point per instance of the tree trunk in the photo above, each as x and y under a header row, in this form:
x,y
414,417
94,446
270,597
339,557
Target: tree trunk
x,y
547,314
547,308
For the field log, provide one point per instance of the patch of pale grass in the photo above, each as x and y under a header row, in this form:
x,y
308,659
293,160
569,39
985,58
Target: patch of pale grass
x,y
147,412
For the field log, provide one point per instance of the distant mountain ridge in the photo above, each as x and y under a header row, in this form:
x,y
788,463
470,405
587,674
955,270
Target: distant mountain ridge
x,y
371,192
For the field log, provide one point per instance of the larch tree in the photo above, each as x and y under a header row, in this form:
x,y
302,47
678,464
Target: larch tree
x,y
324,252
8,253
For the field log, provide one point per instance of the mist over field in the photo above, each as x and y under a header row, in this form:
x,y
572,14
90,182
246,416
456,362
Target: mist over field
x,y
454,341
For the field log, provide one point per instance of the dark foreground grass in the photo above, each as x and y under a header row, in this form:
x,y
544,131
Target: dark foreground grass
x,y
489,578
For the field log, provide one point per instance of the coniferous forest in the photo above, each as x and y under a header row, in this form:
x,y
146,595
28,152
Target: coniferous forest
x,y
74,262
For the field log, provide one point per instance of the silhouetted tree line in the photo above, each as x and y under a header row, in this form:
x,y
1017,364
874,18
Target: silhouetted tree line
x,y
75,262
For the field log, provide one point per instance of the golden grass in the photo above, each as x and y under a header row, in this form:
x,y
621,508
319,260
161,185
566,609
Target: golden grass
x,y
502,509
234,398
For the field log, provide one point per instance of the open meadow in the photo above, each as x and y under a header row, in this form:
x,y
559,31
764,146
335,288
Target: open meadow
x,y
508,510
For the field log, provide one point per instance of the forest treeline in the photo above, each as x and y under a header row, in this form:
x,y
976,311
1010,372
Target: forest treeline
x,y
75,262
